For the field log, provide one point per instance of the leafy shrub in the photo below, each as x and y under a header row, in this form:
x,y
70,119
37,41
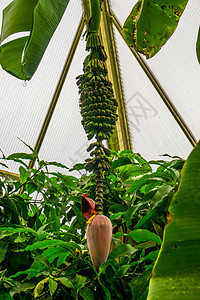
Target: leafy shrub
x,y
43,249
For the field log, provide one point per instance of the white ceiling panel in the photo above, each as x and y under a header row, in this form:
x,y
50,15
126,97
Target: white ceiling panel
x,y
154,130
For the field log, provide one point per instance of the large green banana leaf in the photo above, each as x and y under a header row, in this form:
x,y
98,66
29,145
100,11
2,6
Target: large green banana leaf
x,y
176,274
151,23
21,57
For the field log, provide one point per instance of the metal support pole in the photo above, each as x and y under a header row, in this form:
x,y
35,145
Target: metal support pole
x,y
122,129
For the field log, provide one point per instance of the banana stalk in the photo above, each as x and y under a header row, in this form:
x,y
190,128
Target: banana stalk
x,y
97,103
98,109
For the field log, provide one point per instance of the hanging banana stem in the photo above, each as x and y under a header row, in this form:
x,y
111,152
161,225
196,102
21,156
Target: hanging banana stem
x,y
97,103
95,16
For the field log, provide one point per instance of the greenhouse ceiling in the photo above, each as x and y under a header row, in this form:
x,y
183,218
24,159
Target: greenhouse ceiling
x,y
158,97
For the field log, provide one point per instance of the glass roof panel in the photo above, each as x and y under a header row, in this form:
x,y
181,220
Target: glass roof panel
x,y
154,130
176,66
24,106
65,136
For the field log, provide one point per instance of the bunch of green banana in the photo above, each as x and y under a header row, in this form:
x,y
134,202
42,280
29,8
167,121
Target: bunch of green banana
x,y
97,103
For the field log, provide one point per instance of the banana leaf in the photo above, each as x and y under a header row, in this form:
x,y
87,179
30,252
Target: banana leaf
x,y
151,23
39,18
176,274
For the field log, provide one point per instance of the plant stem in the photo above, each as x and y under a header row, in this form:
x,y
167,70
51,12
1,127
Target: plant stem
x,y
95,16
99,191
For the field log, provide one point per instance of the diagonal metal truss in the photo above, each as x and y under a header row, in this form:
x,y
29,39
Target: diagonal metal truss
x,y
59,87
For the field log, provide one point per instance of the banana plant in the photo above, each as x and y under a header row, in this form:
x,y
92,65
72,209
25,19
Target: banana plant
x,y
147,28
98,109
150,24
176,274
20,57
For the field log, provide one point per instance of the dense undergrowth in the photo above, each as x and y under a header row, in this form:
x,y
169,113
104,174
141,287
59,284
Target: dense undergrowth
x,y
43,249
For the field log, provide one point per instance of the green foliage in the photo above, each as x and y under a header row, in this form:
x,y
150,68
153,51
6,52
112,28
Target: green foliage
x,y
177,271
151,24
21,57
43,249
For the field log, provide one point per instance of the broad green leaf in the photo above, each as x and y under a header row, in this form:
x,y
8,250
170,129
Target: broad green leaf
x,y
11,230
126,152
3,250
140,159
10,57
55,219
31,187
156,177
129,171
41,229
122,271
122,250
52,163
62,257
77,167
177,270
152,256
151,24
154,214
69,181
51,243
39,287
66,282
146,198
198,46
145,245
161,193
128,215
56,252
30,271
79,283
40,19
142,235
52,286
118,207
24,174
106,273
120,162
78,214
117,215
20,155
141,284
86,293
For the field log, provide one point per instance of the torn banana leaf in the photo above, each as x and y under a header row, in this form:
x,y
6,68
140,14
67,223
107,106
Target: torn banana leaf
x,y
151,23
21,56
176,274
